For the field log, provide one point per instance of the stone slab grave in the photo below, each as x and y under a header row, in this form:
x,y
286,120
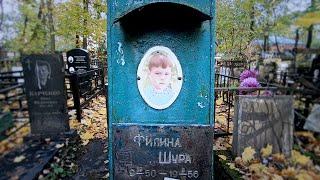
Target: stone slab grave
x,y
34,156
262,120
313,120
46,96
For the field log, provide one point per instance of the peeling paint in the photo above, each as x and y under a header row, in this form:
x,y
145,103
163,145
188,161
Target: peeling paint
x,y
121,61
115,3
138,2
134,2
201,105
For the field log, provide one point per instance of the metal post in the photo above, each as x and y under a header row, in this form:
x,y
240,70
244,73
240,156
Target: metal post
x,y
102,76
284,79
74,83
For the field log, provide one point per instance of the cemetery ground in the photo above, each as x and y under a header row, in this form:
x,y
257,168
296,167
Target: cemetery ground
x,y
81,157
85,155
303,163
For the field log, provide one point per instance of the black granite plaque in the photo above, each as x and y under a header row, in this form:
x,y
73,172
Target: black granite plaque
x,y
78,59
262,120
162,152
44,83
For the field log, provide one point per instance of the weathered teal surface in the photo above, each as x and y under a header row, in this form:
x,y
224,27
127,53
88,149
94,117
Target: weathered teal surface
x,y
187,27
192,104
192,46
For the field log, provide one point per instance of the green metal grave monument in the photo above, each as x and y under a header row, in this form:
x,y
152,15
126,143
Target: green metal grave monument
x,y
161,88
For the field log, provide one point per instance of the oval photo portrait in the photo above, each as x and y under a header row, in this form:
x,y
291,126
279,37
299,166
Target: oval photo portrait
x,y
159,77
70,59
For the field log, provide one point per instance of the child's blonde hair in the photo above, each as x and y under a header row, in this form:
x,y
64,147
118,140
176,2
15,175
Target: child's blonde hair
x,y
163,60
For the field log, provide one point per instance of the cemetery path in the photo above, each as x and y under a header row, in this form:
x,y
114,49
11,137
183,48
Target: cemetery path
x,y
93,124
93,164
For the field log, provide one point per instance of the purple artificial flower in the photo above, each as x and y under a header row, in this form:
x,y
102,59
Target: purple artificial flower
x,y
249,82
248,73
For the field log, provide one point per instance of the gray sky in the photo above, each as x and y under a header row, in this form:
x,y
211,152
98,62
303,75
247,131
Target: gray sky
x,y
298,5
10,10
9,6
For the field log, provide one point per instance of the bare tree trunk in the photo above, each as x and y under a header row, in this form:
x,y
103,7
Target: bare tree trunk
x,y
309,39
277,44
77,41
232,40
51,26
265,42
252,21
22,38
42,18
40,13
295,50
310,29
296,39
85,38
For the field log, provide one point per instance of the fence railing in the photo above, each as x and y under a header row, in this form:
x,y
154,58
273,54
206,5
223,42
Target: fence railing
x,y
13,101
80,87
11,78
84,87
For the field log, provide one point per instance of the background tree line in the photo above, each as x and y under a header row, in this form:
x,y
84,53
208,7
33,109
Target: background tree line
x,y
56,25
239,22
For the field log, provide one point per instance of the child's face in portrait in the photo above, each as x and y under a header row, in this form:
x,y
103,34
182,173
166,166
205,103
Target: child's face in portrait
x,y
160,76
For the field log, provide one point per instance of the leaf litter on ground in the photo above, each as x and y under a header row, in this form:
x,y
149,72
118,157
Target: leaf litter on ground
x,y
269,165
93,125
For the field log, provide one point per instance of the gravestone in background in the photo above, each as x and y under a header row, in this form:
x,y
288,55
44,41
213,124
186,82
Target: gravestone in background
x,y
263,120
45,90
313,120
78,59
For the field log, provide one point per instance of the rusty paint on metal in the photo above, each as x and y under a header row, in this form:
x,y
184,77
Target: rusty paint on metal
x,y
156,152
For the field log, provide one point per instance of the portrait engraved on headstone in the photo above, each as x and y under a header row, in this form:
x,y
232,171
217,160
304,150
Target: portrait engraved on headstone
x,y
71,70
159,77
70,59
42,73
263,120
